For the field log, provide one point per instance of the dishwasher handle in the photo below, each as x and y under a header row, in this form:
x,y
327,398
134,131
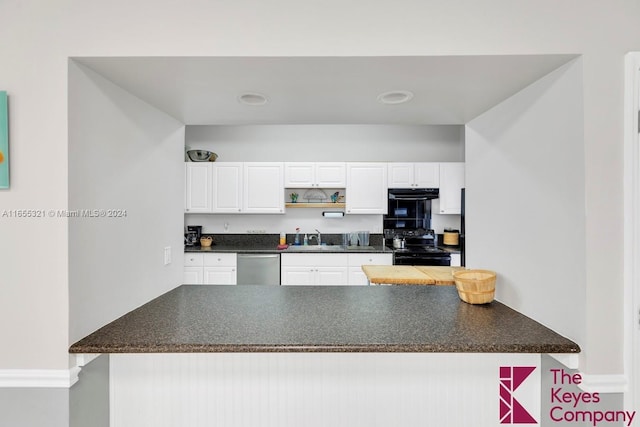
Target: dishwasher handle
x,y
258,255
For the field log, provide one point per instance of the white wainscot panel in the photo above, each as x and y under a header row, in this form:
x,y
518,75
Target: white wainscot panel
x,y
313,389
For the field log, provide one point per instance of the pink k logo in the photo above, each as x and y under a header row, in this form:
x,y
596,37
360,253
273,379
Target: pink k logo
x,y
511,411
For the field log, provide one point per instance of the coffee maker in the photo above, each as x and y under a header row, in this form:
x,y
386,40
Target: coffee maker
x,y
192,235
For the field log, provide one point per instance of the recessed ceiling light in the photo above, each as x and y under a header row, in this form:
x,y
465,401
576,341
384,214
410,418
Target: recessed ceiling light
x,y
395,97
252,98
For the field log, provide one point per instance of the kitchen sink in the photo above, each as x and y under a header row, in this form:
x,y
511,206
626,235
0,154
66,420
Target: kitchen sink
x,y
315,248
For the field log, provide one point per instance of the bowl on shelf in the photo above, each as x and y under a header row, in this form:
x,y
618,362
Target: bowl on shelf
x,y
202,156
475,286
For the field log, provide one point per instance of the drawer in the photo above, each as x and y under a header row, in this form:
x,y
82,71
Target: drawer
x,y
356,260
193,260
220,259
315,260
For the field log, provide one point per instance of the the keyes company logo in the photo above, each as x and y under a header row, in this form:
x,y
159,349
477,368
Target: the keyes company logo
x,y
567,403
511,410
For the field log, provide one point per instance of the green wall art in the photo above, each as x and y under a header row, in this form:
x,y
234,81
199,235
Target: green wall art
x,y
4,141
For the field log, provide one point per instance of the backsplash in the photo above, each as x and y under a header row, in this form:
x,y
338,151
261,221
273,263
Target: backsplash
x,y
308,220
262,240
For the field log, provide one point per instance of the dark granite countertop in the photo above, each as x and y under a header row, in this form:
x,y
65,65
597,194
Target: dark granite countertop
x,y
257,248
191,319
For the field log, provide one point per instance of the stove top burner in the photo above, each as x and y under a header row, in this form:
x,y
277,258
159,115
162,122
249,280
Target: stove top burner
x,y
421,250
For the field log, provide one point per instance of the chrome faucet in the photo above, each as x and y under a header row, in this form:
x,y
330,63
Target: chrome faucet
x,y
318,237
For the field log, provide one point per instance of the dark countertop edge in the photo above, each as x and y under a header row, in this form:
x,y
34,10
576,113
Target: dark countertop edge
x,y
271,249
368,348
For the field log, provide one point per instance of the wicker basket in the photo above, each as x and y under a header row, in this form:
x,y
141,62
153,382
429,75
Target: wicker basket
x,y
475,286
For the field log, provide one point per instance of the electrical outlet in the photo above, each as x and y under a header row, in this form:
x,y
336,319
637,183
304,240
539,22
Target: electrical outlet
x,y
167,255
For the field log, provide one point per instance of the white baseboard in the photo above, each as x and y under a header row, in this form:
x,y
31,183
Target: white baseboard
x,y
38,378
604,383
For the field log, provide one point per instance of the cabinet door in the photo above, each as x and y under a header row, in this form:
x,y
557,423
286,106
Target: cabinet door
x,y
326,276
227,187
331,175
426,175
451,185
357,277
197,187
400,175
299,175
220,276
263,188
456,260
192,276
297,275
356,261
366,188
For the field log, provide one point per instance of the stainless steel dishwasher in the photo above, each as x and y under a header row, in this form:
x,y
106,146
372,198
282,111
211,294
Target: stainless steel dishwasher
x,y
259,269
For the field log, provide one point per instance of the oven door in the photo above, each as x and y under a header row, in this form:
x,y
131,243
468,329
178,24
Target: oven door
x,y
421,259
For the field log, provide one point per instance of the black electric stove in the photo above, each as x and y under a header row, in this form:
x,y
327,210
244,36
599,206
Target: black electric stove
x,y
419,248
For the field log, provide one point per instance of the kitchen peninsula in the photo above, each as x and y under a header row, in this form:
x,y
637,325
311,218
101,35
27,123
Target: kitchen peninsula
x,y
368,350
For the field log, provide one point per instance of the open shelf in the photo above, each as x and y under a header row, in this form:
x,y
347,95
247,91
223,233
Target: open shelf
x,y
315,205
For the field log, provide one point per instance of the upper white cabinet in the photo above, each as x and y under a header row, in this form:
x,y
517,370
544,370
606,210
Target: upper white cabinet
x,y
234,187
414,175
366,188
198,187
227,187
451,184
263,189
309,175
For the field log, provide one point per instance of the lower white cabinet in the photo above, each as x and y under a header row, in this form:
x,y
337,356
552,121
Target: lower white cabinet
x,y
215,268
313,269
356,261
328,269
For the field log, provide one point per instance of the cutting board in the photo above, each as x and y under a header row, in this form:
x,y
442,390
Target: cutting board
x,y
396,275
409,274
441,275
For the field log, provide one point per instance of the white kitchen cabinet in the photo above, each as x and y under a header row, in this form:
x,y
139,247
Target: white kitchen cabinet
x,y
356,261
414,175
451,184
366,191
314,269
310,175
215,268
192,276
220,268
263,187
329,269
456,260
227,187
193,265
234,187
198,194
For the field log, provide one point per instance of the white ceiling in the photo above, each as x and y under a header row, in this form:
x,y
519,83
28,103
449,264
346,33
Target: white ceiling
x,y
325,90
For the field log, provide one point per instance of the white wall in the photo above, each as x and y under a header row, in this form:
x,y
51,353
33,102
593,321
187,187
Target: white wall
x,y
326,143
40,37
123,155
530,227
